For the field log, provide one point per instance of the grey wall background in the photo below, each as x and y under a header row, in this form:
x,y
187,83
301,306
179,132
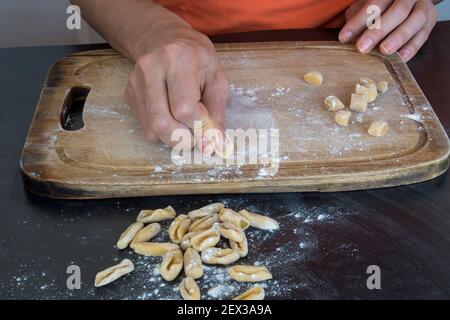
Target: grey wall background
x,y
43,22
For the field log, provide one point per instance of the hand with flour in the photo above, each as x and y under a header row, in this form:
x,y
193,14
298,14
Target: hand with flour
x,y
405,26
177,78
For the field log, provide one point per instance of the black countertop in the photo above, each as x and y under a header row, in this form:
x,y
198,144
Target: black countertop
x,y
323,249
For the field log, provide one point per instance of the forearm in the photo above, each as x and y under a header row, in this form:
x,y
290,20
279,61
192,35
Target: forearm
x,y
125,23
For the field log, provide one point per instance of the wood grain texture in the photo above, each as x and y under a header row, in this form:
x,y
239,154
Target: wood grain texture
x,y
108,157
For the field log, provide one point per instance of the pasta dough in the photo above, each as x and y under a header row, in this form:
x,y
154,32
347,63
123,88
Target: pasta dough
x,y
192,262
205,239
219,256
113,273
206,210
259,221
189,289
314,78
197,232
333,104
247,273
171,265
378,128
254,293
382,86
178,228
359,102
153,248
147,216
127,236
342,117
147,233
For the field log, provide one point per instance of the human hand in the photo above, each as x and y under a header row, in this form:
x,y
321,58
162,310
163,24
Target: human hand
x,y
405,26
177,80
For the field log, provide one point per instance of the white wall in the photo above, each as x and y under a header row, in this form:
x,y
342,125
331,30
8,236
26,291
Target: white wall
x,y
43,22
39,22
444,10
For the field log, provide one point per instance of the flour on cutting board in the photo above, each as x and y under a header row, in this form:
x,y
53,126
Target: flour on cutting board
x,y
260,107
307,132
252,107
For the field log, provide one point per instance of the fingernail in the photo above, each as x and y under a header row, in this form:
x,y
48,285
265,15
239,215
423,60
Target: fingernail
x,y
389,47
345,36
208,146
405,54
220,142
365,45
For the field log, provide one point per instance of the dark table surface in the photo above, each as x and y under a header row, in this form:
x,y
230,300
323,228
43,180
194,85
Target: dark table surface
x,y
324,246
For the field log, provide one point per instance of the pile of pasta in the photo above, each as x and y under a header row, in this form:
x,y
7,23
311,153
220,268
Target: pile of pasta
x,y
194,238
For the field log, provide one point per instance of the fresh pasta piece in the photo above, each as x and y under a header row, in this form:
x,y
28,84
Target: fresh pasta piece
x,y
314,78
205,239
259,221
254,293
362,89
204,223
230,231
365,80
153,249
189,289
342,117
147,233
127,236
113,273
193,266
359,102
228,215
333,104
147,216
383,86
247,273
179,227
186,240
240,247
373,92
369,87
171,265
378,128
206,210
219,256
227,150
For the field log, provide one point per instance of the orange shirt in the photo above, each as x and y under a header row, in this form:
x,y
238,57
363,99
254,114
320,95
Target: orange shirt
x,y
226,16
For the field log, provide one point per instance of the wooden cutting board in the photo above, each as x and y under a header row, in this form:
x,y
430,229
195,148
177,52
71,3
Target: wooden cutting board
x,y
107,156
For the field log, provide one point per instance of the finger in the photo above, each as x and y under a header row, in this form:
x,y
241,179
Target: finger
x,y
358,23
215,97
392,18
158,118
136,103
415,22
354,9
184,92
409,50
184,96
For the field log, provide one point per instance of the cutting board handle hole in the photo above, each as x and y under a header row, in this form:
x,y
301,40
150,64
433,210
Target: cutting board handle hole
x,y
72,111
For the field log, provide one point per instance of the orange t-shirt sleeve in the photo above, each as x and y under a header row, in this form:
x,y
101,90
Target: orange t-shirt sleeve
x,y
217,17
